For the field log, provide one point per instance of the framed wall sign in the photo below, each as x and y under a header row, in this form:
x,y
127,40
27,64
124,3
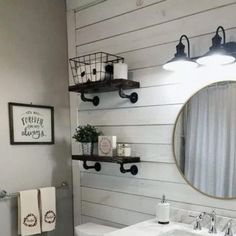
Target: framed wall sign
x,y
106,145
31,124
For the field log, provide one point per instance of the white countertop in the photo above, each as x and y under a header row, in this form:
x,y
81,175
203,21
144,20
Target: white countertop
x,y
152,228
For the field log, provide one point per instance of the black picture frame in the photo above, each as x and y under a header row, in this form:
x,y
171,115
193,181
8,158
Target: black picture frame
x,y
12,106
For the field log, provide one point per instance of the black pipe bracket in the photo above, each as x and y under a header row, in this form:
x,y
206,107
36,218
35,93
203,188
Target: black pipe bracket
x,y
133,169
97,166
94,100
133,97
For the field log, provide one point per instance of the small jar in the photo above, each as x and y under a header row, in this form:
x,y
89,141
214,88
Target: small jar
x,y
123,150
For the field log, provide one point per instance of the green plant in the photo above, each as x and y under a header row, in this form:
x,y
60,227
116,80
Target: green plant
x,y
86,134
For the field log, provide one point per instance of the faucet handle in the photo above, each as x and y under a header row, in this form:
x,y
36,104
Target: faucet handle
x,y
3,194
198,221
213,213
212,229
228,228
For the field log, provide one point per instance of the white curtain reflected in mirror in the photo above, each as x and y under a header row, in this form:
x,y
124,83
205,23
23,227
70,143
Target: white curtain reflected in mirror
x,y
205,140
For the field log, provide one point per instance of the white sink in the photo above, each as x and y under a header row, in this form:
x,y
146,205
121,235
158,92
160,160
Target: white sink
x,y
152,228
178,232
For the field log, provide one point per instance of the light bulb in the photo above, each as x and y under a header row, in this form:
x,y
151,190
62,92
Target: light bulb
x,y
215,59
180,65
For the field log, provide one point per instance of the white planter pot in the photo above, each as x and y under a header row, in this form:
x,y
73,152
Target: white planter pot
x,y
87,149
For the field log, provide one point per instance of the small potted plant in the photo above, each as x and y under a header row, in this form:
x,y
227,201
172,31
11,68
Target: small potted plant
x,y
87,136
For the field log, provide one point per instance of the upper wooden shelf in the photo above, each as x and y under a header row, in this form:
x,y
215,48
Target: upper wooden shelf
x,y
106,86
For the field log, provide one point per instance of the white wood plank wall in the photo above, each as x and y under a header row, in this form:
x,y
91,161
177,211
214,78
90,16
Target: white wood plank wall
x,y
145,32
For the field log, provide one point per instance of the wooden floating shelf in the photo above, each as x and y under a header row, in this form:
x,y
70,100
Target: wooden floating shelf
x,y
115,159
106,86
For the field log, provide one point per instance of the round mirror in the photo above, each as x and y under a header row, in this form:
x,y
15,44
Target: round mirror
x,y
204,140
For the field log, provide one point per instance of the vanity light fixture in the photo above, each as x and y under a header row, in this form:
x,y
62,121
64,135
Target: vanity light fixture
x,y
219,53
181,61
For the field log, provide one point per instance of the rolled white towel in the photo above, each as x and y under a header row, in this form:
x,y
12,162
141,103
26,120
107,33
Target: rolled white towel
x,y
98,71
84,73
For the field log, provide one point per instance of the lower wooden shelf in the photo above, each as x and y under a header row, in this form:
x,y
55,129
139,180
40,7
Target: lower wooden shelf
x,y
114,159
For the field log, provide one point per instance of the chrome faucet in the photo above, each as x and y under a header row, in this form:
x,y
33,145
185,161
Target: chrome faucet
x,y
198,222
3,194
228,228
212,229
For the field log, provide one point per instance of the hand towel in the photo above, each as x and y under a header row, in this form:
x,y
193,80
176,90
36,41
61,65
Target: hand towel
x,y
48,208
28,213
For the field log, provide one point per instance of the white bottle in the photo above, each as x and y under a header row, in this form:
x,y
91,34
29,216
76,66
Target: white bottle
x,y
163,211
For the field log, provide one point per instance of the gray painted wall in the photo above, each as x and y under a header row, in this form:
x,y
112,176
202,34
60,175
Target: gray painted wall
x,y
33,68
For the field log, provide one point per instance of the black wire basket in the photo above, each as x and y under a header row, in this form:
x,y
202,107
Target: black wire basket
x,y
93,67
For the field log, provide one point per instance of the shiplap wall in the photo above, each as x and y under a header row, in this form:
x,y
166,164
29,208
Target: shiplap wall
x,y
145,33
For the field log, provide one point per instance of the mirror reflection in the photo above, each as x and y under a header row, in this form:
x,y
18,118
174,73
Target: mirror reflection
x,y
205,140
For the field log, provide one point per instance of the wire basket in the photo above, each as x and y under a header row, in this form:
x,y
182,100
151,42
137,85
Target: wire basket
x,y
93,67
